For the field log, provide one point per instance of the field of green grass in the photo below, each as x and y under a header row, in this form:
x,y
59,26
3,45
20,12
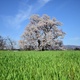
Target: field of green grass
x,y
39,65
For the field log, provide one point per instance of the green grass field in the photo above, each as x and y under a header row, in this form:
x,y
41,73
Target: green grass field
x,y
38,65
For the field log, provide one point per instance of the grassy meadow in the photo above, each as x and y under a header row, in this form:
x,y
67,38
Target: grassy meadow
x,y
39,65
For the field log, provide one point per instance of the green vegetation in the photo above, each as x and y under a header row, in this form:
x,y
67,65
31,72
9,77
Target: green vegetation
x,y
38,65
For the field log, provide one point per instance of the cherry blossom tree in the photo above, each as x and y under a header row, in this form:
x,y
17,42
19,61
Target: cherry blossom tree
x,y
42,33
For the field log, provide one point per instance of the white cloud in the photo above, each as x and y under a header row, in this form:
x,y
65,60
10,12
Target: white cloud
x,y
75,39
46,1
23,13
43,2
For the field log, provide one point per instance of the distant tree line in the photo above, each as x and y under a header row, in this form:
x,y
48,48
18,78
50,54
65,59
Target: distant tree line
x,y
77,48
9,44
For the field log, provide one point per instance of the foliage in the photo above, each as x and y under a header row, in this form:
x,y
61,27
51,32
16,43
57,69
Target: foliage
x,y
42,33
39,65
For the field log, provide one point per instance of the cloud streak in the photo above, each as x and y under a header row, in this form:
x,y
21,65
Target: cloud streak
x,y
15,21
24,13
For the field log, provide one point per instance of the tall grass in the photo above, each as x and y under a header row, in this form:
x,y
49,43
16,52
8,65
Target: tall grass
x,y
38,65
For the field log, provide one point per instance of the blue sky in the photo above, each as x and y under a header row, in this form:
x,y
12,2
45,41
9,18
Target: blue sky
x,y
14,17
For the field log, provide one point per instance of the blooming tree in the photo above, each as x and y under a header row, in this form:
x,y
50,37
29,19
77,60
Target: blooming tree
x,y
42,33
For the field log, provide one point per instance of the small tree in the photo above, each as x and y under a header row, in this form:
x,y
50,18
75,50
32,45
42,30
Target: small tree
x,y
10,44
42,33
2,43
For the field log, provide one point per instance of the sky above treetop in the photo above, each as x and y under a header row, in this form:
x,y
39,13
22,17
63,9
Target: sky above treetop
x,y
15,14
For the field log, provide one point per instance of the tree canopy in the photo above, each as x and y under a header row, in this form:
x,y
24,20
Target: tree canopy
x,y
42,33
